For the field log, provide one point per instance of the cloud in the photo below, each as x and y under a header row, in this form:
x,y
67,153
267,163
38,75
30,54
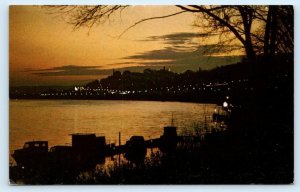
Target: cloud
x,y
181,60
184,51
70,70
174,38
181,53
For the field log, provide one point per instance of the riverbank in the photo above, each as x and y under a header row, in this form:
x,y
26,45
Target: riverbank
x,y
222,158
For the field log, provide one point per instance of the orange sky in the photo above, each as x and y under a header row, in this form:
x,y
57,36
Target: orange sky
x,y
45,50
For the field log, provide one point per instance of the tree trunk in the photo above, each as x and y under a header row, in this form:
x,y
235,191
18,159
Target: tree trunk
x,y
273,30
267,34
247,16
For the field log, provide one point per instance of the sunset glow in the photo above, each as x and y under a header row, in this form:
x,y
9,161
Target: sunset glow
x,y
46,50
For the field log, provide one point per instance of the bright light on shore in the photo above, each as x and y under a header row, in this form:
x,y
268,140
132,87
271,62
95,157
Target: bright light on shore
x,y
225,104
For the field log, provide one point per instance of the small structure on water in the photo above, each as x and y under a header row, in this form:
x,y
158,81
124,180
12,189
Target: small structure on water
x,y
135,149
168,141
88,149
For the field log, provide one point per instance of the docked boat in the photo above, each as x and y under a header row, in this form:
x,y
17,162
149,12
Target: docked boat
x,y
135,149
31,153
86,151
168,141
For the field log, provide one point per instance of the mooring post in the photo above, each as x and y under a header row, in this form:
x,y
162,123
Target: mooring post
x,y
119,138
119,148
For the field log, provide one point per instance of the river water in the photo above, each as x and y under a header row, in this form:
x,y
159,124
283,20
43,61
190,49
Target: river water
x,y
55,120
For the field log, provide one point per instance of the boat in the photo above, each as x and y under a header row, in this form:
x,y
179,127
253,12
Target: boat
x,y
168,141
33,154
135,149
86,151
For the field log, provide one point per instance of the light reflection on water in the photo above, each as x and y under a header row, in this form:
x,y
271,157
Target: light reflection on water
x,y
55,120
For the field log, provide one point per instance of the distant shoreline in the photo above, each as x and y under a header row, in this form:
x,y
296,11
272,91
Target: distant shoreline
x,y
183,101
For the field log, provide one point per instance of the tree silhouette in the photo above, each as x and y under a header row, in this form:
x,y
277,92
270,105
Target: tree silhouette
x,y
266,30
259,30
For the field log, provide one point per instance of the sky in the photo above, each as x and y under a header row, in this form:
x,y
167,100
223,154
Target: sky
x,y
46,50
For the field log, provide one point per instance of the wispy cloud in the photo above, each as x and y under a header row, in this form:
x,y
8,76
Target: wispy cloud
x,y
69,70
184,50
175,38
183,59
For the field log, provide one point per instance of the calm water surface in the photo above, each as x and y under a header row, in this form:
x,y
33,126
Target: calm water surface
x,y
55,120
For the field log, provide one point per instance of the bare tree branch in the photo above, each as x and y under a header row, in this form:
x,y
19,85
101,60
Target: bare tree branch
x,y
214,16
151,18
230,22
